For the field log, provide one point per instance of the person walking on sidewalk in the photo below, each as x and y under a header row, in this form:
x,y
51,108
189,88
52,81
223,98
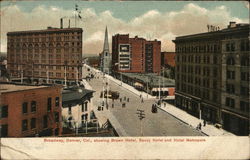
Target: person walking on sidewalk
x,y
204,122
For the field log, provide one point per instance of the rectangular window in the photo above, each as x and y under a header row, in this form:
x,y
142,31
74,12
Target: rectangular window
x,y
86,106
33,106
57,102
227,47
230,102
4,111
244,91
25,125
33,123
244,76
45,121
4,130
49,104
25,107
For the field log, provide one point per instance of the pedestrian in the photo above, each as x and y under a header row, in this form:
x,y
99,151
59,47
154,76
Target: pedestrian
x,y
120,99
112,105
164,104
140,95
127,99
204,122
199,126
142,100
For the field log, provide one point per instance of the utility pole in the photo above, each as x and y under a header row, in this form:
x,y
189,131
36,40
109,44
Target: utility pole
x,y
141,115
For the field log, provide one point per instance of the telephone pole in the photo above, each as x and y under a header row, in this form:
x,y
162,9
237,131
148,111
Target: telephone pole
x,y
141,115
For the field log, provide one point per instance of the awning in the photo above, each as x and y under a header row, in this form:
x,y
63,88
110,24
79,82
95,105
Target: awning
x,y
159,89
137,84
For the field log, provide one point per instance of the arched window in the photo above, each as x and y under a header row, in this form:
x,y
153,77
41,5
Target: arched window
x,y
30,48
230,61
66,47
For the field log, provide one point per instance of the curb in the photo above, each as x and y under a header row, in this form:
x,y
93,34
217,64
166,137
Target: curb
x,y
181,120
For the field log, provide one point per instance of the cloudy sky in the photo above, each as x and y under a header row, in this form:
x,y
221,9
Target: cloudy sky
x,y
162,20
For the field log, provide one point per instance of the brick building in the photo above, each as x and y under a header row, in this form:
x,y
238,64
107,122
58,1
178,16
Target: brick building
x,y
212,76
45,55
135,55
35,110
168,59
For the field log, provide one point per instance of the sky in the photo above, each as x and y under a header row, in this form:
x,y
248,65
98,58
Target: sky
x,y
162,20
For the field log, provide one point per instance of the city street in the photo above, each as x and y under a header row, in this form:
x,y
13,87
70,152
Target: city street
x,y
154,124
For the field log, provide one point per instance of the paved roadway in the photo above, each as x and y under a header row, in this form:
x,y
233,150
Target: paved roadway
x,y
155,124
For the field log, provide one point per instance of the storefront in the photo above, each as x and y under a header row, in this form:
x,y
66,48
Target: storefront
x,y
236,124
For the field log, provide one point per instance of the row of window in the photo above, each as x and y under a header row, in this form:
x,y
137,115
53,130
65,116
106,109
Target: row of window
x,y
50,50
43,39
33,105
231,47
42,46
33,122
230,88
196,59
196,80
84,107
209,48
244,106
244,61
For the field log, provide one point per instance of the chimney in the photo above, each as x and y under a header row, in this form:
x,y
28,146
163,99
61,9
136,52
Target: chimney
x,y
61,24
231,25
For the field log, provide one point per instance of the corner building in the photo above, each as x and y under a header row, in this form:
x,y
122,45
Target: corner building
x,y
135,55
45,55
30,111
212,76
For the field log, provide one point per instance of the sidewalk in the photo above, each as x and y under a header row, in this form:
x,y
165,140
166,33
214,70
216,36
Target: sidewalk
x,y
124,85
209,129
104,115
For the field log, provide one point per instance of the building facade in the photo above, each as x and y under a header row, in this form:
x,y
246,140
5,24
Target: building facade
x,y
168,59
211,76
47,56
135,55
35,110
77,109
105,56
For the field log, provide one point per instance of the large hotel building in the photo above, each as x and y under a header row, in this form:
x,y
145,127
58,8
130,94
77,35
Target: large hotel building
x,y
212,76
51,55
135,55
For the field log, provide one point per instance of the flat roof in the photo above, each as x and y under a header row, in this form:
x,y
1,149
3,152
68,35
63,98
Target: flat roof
x,y
238,27
48,30
152,79
13,87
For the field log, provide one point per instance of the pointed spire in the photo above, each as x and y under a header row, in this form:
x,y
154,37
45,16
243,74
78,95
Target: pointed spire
x,y
106,42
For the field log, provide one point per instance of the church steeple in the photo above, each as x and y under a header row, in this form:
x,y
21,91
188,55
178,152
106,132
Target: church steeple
x,y
106,42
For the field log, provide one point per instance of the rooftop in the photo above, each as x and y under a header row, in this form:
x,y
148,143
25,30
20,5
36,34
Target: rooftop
x,y
4,88
233,27
152,79
74,94
48,30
